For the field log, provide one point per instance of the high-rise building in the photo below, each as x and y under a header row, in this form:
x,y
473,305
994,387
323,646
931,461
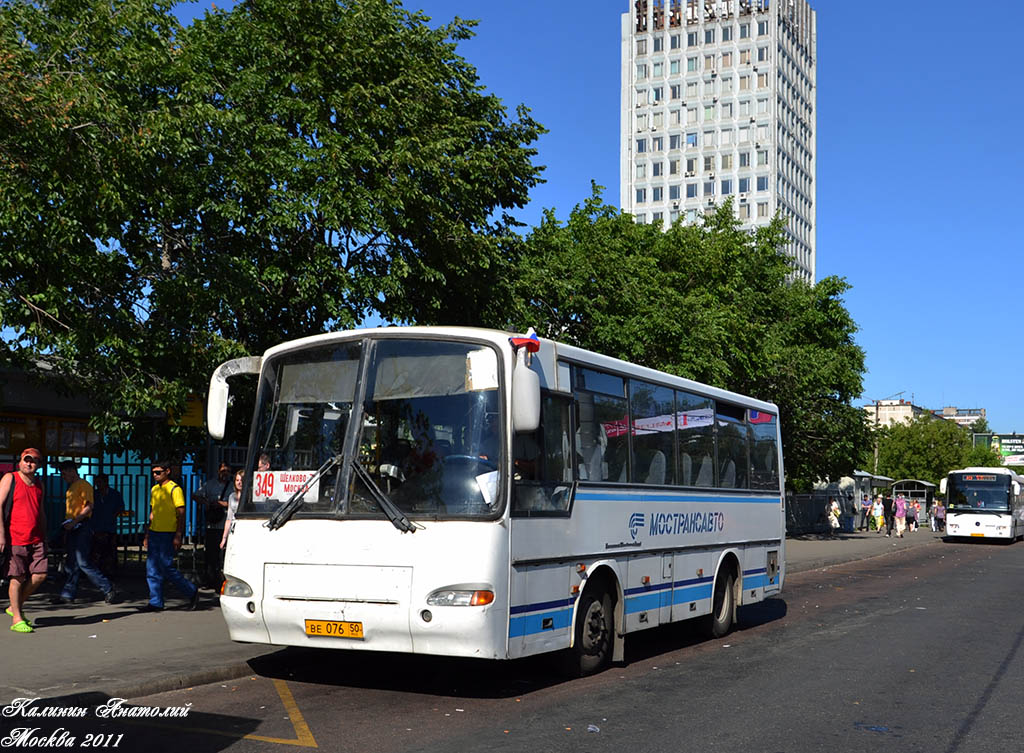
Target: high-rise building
x,y
719,101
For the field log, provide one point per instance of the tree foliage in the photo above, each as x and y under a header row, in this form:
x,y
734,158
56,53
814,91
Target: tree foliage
x,y
171,197
927,449
710,302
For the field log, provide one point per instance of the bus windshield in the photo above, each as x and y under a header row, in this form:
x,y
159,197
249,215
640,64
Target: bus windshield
x,y
419,422
978,491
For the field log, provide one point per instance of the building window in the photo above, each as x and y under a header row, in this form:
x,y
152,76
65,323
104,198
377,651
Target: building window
x,y
691,190
659,44
641,47
726,136
691,165
673,42
691,215
641,146
673,167
744,31
675,141
673,67
762,80
691,64
659,118
726,33
726,84
709,138
709,62
691,90
709,188
641,195
657,169
676,90
675,117
657,193
673,216
762,158
673,192
762,106
658,217
641,170
762,54
744,83
762,132
691,39
709,162
762,28
762,182
691,139
744,159
744,211
657,143
744,134
727,111
762,209
658,92
744,185
726,161
726,187
709,112
709,36
744,57
658,69
691,115
727,60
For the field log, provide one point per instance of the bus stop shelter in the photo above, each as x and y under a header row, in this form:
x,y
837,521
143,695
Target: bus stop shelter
x,y
915,490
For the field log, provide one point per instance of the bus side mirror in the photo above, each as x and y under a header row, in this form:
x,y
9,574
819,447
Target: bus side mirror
x,y
525,396
217,399
942,487
1016,489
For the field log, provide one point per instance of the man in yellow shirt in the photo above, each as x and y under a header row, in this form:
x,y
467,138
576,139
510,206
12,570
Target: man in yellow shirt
x,y
78,537
163,540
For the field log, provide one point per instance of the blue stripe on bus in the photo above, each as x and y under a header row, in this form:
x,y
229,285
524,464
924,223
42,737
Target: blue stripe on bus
x,y
534,623
540,605
630,496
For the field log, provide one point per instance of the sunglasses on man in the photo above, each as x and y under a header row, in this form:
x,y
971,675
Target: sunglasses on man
x,y
30,459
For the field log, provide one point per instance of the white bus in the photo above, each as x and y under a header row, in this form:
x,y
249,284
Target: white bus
x,y
984,502
464,492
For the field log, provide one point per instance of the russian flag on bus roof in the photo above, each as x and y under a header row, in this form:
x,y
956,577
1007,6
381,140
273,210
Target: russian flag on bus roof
x,y
529,340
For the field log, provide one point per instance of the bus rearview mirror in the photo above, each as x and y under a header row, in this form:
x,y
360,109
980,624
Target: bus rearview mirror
x,y
525,396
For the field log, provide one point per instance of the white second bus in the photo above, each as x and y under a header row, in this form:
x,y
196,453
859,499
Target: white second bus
x,y
464,492
984,503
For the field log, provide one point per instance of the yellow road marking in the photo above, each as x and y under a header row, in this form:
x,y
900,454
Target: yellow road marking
x,y
303,737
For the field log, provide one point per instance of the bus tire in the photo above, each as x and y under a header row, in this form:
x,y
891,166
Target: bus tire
x,y
594,634
723,605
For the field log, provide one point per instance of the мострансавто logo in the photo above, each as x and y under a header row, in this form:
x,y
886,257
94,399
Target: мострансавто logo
x,y
676,523
636,522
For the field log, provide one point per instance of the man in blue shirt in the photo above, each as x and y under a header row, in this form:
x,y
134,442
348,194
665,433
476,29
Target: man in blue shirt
x,y
108,504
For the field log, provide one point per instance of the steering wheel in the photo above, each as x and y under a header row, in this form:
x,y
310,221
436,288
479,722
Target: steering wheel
x,y
470,460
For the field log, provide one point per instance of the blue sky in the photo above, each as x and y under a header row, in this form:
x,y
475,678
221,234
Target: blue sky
x,y
918,106
917,163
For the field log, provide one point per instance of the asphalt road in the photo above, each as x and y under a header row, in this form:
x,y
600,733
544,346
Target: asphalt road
x,y
918,651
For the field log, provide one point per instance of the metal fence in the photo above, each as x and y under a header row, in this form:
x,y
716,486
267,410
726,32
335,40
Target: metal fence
x,y
805,513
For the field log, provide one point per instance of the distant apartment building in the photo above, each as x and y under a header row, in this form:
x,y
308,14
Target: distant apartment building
x,y
889,412
719,101
963,416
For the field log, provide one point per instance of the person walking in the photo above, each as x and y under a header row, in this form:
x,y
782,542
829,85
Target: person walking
x,y
233,500
214,497
940,516
911,516
900,514
865,512
163,540
77,527
833,512
878,511
108,504
23,536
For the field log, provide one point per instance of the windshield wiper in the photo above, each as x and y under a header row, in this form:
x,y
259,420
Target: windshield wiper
x,y
396,516
284,513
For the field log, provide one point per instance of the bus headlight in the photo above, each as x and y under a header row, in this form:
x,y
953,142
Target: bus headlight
x,y
235,587
460,597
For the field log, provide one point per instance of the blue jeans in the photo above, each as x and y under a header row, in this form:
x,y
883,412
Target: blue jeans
x,y
160,566
79,544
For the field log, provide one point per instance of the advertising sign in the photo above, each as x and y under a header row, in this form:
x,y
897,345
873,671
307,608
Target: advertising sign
x,y
1010,447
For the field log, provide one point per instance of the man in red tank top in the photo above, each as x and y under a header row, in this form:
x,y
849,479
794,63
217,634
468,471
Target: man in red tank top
x,y
23,535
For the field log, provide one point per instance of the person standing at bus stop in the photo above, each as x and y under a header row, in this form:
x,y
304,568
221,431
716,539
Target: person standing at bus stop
x,y
23,536
163,540
214,497
78,537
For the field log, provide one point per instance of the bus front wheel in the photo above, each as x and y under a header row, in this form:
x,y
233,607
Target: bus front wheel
x,y
594,634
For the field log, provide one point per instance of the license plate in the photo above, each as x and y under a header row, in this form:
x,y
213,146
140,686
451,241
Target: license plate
x,y
334,629
978,534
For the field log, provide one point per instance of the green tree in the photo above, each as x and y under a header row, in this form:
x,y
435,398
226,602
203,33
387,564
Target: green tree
x,y
710,302
926,448
171,196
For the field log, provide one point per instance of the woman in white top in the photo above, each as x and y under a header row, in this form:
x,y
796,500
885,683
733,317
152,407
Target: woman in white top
x,y
233,499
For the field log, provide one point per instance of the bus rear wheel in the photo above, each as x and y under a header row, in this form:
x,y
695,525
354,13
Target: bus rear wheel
x,y
723,605
594,634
